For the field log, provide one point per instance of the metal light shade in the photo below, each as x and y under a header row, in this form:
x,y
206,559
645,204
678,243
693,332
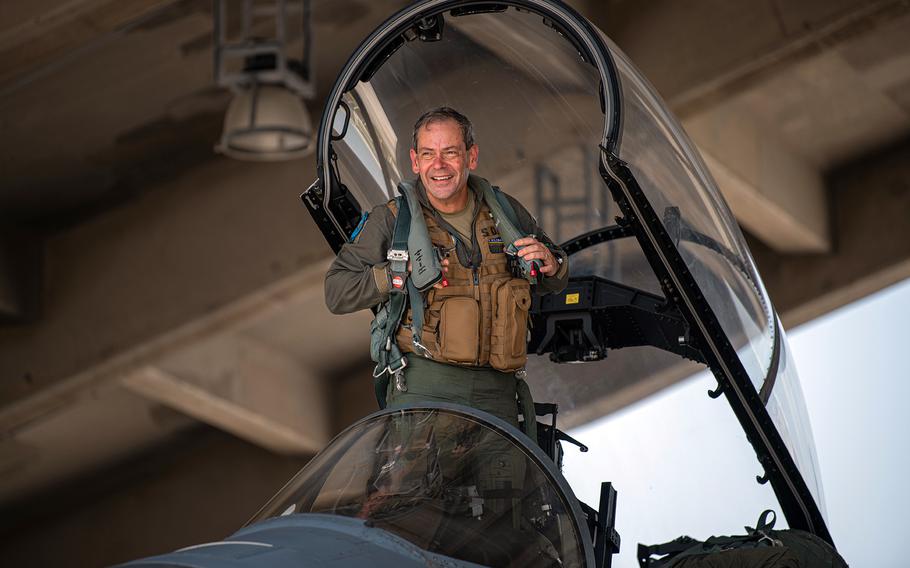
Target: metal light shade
x,y
266,123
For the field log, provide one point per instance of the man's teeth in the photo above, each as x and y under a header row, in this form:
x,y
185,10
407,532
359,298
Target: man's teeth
x,y
441,178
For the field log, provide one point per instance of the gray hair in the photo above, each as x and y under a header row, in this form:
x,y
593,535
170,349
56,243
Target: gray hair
x,y
443,113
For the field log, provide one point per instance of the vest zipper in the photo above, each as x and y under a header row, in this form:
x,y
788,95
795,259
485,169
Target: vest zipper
x,y
480,314
475,247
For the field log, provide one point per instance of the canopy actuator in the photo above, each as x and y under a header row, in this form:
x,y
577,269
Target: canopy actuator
x,y
594,314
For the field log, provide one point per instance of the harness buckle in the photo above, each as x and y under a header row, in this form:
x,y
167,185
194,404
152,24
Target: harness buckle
x,y
398,374
420,345
400,384
395,372
397,255
403,363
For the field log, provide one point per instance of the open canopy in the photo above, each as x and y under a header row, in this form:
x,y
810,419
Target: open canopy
x,y
568,126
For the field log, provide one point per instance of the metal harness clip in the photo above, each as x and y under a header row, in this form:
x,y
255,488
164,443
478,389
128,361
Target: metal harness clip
x,y
400,384
397,255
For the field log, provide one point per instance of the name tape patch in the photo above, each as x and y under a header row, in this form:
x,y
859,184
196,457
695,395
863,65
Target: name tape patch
x,y
496,245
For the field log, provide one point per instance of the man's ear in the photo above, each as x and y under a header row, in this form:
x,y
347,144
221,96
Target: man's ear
x,y
415,167
472,157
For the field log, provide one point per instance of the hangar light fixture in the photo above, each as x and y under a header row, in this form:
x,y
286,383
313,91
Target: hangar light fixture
x,y
267,119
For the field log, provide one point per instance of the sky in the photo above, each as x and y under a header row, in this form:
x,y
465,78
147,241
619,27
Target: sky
x,y
681,465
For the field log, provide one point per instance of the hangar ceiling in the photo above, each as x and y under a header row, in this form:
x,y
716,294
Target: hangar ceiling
x,y
149,284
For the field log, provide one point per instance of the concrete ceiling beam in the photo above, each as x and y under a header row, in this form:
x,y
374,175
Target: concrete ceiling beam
x,y
870,210
257,337
709,51
774,94
16,456
121,287
34,34
21,264
244,387
194,490
88,429
774,193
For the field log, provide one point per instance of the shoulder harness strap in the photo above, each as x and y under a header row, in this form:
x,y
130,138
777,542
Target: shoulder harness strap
x,y
398,252
390,359
425,268
507,223
410,242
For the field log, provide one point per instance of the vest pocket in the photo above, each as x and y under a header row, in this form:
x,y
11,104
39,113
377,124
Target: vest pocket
x,y
511,301
459,326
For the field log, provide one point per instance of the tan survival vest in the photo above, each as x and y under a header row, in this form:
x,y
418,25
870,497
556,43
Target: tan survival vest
x,y
481,317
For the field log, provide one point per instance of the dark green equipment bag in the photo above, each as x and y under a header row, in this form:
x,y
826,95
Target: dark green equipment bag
x,y
761,547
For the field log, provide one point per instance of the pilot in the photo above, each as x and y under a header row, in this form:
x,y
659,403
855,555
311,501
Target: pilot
x,y
474,334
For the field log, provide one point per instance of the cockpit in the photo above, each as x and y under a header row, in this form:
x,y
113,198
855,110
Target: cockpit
x,y
450,480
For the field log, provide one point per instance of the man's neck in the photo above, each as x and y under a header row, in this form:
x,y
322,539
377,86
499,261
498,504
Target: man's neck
x,y
454,204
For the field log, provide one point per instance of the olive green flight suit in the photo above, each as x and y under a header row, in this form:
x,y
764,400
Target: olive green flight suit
x,y
358,279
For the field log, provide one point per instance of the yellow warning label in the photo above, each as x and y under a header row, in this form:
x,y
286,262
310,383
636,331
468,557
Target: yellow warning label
x,y
571,298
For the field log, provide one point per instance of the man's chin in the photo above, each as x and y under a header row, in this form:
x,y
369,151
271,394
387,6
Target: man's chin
x,y
442,190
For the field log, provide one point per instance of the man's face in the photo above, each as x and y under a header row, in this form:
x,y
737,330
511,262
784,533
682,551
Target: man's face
x,y
443,162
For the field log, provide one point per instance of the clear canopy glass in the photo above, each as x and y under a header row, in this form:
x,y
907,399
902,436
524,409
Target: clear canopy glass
x,y
536,109
787,408
683,194
449,482
679,187
531,98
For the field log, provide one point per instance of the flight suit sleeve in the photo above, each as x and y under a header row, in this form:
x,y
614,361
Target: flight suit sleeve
x,y
358,277
548,284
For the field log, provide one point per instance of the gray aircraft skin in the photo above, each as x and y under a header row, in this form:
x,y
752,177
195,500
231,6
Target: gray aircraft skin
x,y
569,127
307,540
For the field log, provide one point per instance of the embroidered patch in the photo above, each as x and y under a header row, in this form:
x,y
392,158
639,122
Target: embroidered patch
x,y
495,244
397,282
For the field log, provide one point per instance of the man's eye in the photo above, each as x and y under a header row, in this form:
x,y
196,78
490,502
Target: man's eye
x,y
450,154
426,156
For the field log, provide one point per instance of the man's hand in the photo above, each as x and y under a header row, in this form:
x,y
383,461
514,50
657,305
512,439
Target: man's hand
x,y
530,248
445,268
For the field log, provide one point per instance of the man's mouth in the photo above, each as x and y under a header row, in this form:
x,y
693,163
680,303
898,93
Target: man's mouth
x,y
442,178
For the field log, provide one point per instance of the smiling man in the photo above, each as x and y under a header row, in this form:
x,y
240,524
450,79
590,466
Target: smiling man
x,y
474,334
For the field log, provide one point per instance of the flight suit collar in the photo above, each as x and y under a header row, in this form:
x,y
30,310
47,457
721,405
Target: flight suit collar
x,y
469,254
